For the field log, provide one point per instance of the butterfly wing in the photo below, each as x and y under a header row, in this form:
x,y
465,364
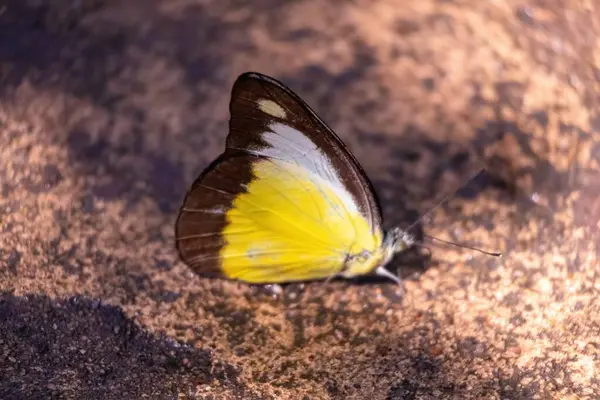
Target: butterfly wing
x,y
286,201
292,120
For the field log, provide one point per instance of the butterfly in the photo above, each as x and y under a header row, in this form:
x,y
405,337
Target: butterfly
x,y
286,201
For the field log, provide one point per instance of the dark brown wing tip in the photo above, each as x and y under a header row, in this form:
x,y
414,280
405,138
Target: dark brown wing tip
x,y
252,75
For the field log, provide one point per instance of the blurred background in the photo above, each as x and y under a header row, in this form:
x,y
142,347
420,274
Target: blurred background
x,y
110,109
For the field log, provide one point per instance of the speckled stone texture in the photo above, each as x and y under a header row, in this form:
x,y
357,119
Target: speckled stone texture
x,y
109,109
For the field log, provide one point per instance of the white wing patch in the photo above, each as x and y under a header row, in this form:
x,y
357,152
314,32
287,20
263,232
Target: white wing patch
x,y
273,109
290,145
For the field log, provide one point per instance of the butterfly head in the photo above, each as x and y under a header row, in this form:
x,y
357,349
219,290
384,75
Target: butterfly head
x,y
398,240
365,262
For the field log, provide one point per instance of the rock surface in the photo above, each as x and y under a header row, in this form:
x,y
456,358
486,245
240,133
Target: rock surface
x,y
109,109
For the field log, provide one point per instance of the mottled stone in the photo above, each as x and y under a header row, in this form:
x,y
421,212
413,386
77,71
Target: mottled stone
x,y
109,110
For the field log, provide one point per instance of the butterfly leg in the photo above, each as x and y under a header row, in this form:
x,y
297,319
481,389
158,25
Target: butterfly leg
x,y
382,271
330,277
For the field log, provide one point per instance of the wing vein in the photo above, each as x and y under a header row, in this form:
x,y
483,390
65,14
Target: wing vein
x,y
305,189
309,233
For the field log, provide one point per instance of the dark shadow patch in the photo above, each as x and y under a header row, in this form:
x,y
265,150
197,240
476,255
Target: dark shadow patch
x,y
35,36
405,27
310,80
43,179
51,343
428,84
546,179
595,122
480,183
166,181
406,197
502,167
11,258
240,324
68,45
510,93
525,14
405,390
126,175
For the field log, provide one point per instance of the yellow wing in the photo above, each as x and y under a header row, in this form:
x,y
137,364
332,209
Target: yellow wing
x,y
291,225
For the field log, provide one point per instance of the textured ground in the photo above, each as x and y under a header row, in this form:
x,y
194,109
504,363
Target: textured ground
x,y
109,109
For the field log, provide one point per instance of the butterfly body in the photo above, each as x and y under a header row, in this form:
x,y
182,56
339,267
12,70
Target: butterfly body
x,y
286,201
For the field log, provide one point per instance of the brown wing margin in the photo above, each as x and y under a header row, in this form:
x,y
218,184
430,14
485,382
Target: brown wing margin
x,y
202,218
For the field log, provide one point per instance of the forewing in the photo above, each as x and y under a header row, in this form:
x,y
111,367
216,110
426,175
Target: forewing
x,y
268,119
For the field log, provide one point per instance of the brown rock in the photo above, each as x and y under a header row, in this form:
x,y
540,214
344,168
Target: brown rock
x,y
109,110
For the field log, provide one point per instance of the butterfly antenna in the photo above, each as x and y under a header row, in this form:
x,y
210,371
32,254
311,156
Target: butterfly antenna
x,y
444,199
464,246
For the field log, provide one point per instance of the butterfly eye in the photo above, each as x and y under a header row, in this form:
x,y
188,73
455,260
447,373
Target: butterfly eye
x,y
363,256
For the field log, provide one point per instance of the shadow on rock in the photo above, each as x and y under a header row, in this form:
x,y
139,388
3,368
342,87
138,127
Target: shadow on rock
x,y
123,147
84,349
